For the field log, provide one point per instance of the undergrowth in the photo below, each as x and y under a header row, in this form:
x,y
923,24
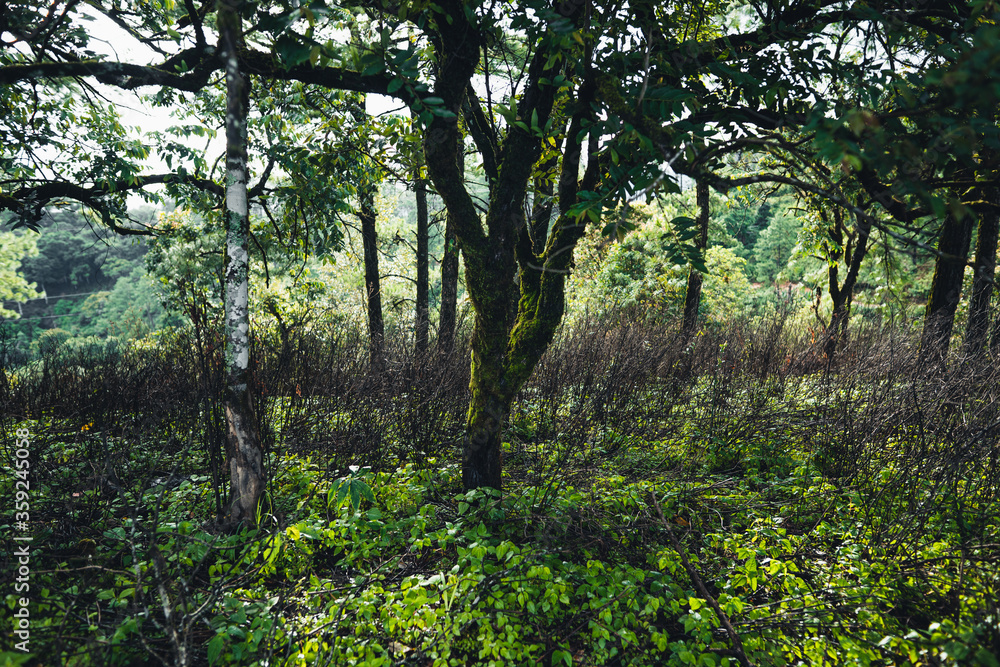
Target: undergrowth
x,y
732,501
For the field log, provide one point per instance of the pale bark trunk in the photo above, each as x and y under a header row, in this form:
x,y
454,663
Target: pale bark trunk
x,y
246,467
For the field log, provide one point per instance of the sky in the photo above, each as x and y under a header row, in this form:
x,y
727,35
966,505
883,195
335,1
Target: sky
x,y
115,43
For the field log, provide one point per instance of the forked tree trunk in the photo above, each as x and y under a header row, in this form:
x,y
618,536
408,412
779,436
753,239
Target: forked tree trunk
x,y
373,287
985,266
506,345
843,295
946,290
692,297
246,461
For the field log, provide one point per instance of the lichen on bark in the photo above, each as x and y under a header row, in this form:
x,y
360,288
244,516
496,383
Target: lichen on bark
x,y
246,466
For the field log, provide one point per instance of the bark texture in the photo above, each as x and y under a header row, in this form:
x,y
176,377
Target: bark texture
x,y
447,317
421,314
373,287
692,297
246,466
985,264
946,289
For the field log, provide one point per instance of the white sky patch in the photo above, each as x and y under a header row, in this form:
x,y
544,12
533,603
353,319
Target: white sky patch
x,y
142,117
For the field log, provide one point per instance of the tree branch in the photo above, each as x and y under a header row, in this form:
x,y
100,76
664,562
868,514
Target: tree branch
x,y
734,637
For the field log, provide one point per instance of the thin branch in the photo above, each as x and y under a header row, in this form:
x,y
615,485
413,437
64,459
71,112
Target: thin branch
x,y
734,637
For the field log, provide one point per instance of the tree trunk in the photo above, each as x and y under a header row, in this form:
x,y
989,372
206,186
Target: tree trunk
x,y
421,314
373,288
243,441
449,289
843,295
488,409
995,336
946,290
985,266
449,273
692,297
506,345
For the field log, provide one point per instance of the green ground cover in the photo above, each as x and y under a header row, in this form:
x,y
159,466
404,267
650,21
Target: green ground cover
x,y
581,561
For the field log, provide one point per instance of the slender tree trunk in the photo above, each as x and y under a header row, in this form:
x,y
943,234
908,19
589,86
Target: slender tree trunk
x,y
449,275
985,266
246,467
692,298
946,290
843,295
995,336
373,288
543,205
421,314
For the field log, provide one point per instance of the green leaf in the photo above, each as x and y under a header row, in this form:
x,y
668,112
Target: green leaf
x,y
561,657
215,647
291,51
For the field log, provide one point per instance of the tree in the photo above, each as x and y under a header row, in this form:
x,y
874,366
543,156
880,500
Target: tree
x,y
373,289
14,249
984,274
421,312
101,179
946,289
448,314
692,296
849,247
246,458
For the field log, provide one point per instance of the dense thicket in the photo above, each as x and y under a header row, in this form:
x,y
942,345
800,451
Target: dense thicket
x,y
801,492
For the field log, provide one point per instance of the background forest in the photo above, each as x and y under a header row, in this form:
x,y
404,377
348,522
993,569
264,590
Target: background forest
x,y
500,333
92,288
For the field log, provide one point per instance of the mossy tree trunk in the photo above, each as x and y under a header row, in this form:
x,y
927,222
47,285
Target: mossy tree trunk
x,y
501,264
946,289
985,264
692,297
246,461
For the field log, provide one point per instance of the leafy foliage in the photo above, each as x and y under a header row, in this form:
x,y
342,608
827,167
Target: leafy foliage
x,y
14,250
